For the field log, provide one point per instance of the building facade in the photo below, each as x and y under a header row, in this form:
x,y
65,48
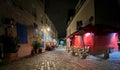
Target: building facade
x,y
27,20
95,25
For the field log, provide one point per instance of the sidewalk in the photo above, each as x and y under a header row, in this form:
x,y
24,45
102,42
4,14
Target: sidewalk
x,y
113,56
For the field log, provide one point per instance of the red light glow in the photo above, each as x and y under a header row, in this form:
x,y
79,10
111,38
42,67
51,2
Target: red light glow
x,y
77,41
87,34
89,40
114,41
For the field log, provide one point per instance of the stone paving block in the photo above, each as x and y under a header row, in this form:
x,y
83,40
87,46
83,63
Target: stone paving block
x,y
60,60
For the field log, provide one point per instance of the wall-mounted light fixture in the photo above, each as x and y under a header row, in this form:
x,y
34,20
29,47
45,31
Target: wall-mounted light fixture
x,y
48,28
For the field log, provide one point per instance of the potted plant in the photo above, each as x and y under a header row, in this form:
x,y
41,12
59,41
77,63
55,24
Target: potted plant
x,y
75,51
36,46
106,54
85,52
10,47
84,55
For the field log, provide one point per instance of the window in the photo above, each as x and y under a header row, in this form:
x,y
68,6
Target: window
x,y
22,33
34,12
41,20
42,34
35,29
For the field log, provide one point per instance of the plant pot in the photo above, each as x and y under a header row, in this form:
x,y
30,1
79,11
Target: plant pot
x,y
84,56
36,51
40,50
11,57
106,56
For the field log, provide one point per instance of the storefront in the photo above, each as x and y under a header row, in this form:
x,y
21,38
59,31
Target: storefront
x,y
96,38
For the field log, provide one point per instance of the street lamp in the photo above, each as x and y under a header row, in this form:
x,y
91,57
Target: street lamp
x,y
48,29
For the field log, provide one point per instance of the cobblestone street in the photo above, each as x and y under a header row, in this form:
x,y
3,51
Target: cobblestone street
x,y
61,60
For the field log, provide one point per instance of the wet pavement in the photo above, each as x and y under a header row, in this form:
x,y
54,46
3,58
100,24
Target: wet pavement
x,y
59,59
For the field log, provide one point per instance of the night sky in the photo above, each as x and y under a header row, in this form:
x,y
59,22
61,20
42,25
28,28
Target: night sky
x,y
57,11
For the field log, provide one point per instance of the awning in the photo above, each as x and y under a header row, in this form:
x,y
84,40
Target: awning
x,y
87,28
72,35
98,29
